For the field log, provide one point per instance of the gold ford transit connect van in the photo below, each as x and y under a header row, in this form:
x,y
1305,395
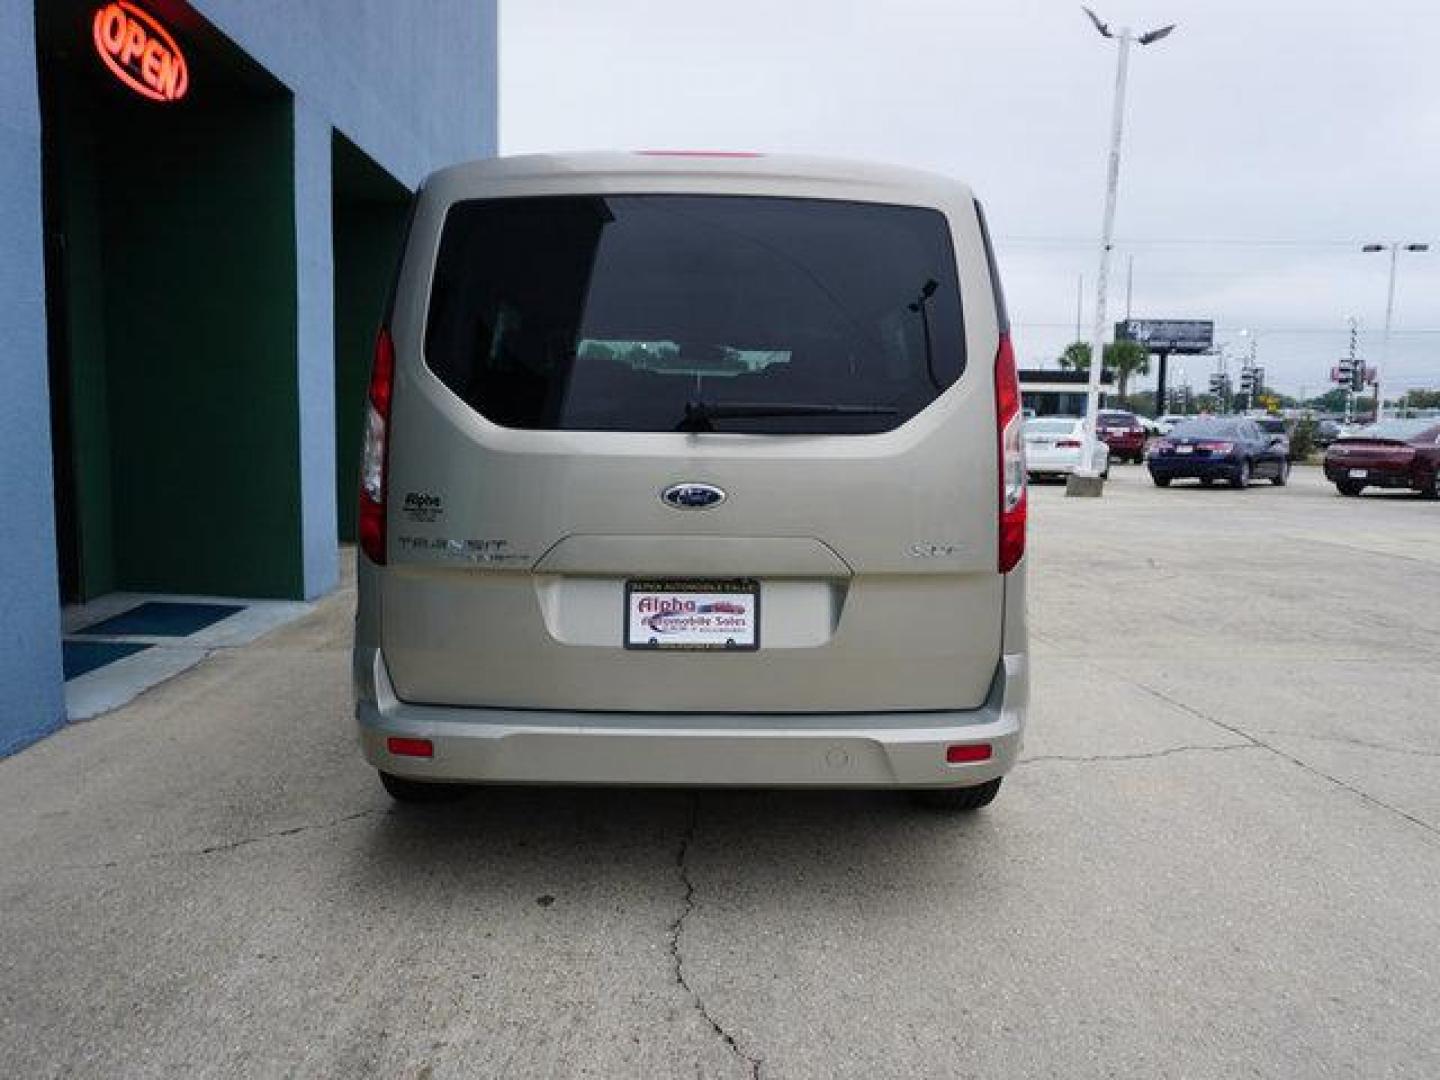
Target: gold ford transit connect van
x,y
693,469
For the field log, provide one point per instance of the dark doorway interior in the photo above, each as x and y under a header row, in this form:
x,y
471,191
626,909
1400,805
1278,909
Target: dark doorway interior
x,y
171,265
370,208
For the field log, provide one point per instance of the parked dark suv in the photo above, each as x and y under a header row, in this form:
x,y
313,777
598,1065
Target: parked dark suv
x,y
1220,448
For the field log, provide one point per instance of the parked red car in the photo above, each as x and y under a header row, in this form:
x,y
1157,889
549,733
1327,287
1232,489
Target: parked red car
x,y
1389,454
1123,433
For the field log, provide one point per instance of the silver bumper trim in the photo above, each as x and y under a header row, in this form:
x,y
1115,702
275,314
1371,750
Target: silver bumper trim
x,y
881,750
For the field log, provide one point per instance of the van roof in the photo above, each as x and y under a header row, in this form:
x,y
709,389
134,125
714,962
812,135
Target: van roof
x,y
712,172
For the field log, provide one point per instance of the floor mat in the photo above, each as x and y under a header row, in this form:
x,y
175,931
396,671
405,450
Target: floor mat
x,y
162,618
85,656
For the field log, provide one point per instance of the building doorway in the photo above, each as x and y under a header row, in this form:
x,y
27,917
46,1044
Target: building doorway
x,y
170,246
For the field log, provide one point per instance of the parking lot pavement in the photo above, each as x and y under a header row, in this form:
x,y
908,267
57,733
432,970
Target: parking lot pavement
x,y
1221,856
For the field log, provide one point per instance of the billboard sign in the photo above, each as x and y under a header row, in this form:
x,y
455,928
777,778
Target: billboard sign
x,y
1168,335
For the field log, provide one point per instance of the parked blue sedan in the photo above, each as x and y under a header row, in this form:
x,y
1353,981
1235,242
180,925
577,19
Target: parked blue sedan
x,y
1235,450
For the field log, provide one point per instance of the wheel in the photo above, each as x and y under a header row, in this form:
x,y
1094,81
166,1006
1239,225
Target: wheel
x,y
1105,472
1431,490
1281,478
1241,479
959,800
418,791
1160,481
1349,488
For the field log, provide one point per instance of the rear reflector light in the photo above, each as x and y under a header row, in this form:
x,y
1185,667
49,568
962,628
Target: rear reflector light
x,y
1011,451
968,754
375,453
410,747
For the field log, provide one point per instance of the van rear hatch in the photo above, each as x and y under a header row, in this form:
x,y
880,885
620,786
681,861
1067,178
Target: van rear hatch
x,y
694,452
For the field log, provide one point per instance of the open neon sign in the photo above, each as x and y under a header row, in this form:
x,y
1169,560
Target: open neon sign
x,y
140,52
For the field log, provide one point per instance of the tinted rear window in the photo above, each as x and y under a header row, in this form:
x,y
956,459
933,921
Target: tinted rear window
x,y
1050,427
612,313
1403,430
1116,419
1206,429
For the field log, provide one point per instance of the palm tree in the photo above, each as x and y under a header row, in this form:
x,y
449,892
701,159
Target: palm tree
x,y
1125,358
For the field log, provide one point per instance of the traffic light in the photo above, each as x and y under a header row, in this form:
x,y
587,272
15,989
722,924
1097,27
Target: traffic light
x,y
1344,372
1247,380
1357,378
1217,383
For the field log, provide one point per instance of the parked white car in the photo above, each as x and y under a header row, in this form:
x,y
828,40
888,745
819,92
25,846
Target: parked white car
x,y
1053,446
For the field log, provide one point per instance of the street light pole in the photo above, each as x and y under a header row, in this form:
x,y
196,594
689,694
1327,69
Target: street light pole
x,y
1394,248
1107,231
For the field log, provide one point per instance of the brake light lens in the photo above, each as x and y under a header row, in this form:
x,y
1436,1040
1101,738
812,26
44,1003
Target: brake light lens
x,y
374,455
1008,421
1218,447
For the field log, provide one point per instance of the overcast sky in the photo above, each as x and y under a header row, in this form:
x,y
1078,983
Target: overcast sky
x,y
1265,141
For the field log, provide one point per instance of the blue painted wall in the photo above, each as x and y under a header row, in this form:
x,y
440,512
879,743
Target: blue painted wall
x,y
411,82
31,699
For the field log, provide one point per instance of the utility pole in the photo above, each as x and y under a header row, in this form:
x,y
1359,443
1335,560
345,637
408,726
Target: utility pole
x,y
1129,284
1079,303
1394,247
1354,360
1107,236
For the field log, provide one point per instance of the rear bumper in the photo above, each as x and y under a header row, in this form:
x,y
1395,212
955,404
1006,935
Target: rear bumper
x,y
1375,476
846,750
1221,469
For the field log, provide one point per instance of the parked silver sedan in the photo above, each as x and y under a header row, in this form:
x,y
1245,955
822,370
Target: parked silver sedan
x,y
1054,444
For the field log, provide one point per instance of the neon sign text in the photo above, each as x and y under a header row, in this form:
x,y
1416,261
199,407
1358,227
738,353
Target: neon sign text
x,y
140,52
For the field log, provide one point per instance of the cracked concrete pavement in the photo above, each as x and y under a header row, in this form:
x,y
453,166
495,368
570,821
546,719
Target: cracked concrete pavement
x,y
1218,858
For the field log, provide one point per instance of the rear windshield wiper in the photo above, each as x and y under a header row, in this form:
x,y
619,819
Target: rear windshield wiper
x,y
699,415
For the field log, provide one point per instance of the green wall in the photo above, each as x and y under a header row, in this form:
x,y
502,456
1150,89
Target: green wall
x,y
179,228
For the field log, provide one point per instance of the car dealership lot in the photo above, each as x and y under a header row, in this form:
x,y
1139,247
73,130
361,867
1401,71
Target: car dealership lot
x,y
1220,858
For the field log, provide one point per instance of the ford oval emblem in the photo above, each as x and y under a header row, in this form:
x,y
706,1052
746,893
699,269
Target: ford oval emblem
x,y
692,496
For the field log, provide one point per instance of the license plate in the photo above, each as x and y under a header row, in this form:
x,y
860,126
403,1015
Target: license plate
x,y
1359,474
722,616
1184,449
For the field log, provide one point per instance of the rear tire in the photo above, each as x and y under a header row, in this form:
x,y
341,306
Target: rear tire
x,y
1241,479
1348,488
1432,489
958,800
418,791
1160,481
1281,478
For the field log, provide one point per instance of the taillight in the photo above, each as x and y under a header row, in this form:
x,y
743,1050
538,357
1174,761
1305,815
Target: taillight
x,y
1218,447
1008,421
375,453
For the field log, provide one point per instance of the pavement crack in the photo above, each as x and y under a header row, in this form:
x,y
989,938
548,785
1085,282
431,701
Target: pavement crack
x,y
1407,751
677,955
1079,758
276,834
1299,763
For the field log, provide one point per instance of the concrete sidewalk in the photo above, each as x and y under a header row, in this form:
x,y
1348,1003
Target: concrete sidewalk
x,y
1220,858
